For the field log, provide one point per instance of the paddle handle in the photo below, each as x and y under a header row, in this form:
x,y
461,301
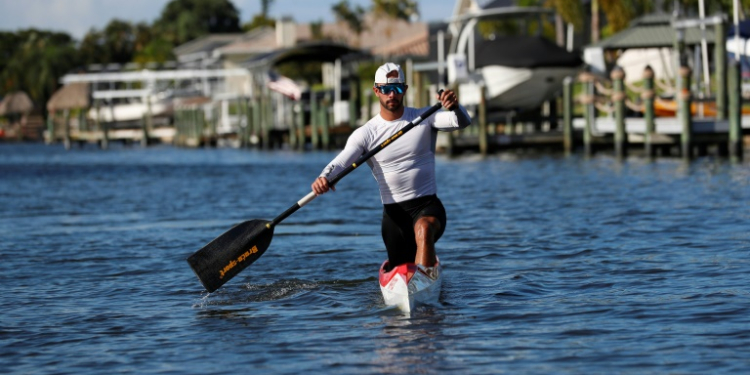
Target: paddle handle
x,y
361,160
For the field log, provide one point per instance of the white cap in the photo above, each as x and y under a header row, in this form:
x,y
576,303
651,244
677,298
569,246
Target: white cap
x,y
383,70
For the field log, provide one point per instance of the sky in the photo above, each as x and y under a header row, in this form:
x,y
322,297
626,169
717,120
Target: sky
x,y
77,17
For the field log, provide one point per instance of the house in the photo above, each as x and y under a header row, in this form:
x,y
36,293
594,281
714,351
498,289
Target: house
x,y
382,37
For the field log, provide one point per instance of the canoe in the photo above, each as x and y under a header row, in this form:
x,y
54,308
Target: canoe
x,y
668,108
407,286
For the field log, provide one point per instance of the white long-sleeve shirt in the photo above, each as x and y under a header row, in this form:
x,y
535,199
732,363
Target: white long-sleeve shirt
x,y
406,168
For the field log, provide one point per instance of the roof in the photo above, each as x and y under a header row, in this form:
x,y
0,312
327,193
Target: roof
x,y
499,10
382,36
314,51
528,52
206,44
414,45
16,102
499,4
71,96
744,27
379,32
259,40
653,31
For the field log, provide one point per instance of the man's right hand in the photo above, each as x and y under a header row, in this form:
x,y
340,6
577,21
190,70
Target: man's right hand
x,y
320,186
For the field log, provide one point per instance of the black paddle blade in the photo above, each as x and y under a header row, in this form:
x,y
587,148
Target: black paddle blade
x,y
228,254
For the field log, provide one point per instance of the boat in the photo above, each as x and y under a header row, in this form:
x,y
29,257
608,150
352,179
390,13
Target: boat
x,y
408,285
519,72
669,108
528,77
131,105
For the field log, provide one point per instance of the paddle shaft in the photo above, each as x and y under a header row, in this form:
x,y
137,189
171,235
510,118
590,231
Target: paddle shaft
x,y
361,160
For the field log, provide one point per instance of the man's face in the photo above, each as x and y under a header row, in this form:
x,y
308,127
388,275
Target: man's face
x,y
391,95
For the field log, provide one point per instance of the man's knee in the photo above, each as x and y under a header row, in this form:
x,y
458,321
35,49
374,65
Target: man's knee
x,y
427,225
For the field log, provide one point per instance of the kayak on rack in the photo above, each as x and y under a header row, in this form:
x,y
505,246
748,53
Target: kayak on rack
x,y
409,285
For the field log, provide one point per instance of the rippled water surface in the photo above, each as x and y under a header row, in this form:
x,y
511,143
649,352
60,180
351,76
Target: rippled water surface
x,y
552,265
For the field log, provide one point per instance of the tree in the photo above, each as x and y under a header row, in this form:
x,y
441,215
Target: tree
x,y
184,20
265,7
397,9
259,20
157,50
9,43
91,48
117,43
37,59
262,19
352,17
316,30
570,10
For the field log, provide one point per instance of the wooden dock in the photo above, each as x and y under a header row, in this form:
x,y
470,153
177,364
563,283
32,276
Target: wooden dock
x,y
600,119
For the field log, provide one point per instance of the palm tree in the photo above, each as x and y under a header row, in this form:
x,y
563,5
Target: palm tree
x,y
354,18
397,9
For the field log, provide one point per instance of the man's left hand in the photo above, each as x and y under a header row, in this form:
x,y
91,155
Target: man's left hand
x,y
449,99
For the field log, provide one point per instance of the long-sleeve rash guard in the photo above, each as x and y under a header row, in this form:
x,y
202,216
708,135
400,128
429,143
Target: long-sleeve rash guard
x,y
406,168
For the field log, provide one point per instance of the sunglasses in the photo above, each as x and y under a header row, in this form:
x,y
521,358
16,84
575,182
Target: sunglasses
x,y
388,89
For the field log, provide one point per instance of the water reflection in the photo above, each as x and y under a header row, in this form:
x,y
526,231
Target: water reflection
x,y
412,343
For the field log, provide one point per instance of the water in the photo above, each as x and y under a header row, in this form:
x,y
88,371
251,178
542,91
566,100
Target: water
x,y
552,265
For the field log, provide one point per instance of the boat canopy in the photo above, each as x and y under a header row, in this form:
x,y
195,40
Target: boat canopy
x,y
524,52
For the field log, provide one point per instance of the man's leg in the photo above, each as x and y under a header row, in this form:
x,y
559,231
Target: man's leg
x,y
398,236
425,230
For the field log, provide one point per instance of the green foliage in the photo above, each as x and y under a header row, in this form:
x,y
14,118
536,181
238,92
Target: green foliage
x,y
498,27
619,13
115,44
157,50
184,20
516,26
398,9
316,30
353,17
35,60
9,42
366,72
308,71
265,7
259,20
570,10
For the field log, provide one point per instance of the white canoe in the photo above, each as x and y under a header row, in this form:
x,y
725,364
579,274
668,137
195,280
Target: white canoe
x,y
407,286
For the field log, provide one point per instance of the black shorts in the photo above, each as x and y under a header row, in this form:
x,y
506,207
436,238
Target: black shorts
x,y
398,226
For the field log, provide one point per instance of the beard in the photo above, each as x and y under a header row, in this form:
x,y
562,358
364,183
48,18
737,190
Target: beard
x,y
392,105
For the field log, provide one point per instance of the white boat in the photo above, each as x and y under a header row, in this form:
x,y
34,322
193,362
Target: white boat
x,y
133,111
519,72
528,77
407,286
131,105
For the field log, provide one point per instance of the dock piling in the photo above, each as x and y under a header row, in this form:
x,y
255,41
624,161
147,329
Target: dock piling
x,y
618,97
647,96
482,119
686,119
735,111
568,115
589,110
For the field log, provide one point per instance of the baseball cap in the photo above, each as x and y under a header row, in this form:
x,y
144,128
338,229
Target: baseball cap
x,y
383,70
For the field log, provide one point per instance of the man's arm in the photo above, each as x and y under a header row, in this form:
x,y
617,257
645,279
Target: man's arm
x,y
455,117
355,147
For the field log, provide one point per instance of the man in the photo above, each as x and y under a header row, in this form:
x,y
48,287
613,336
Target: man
x,y
413,216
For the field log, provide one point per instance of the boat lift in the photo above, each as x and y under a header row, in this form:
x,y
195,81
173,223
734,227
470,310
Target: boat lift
x,y
160,90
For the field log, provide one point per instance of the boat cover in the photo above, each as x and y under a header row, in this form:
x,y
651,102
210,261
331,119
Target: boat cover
x,y
524,52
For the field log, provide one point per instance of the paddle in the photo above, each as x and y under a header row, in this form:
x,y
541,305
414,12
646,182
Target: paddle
x,y
227,255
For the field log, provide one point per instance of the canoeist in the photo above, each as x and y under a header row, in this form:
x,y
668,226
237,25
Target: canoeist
x,y
413,216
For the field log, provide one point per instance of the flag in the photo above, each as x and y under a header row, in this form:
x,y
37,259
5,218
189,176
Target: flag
x,y
284,85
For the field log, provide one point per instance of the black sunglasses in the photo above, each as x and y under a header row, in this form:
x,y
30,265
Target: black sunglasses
x,y
388,89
